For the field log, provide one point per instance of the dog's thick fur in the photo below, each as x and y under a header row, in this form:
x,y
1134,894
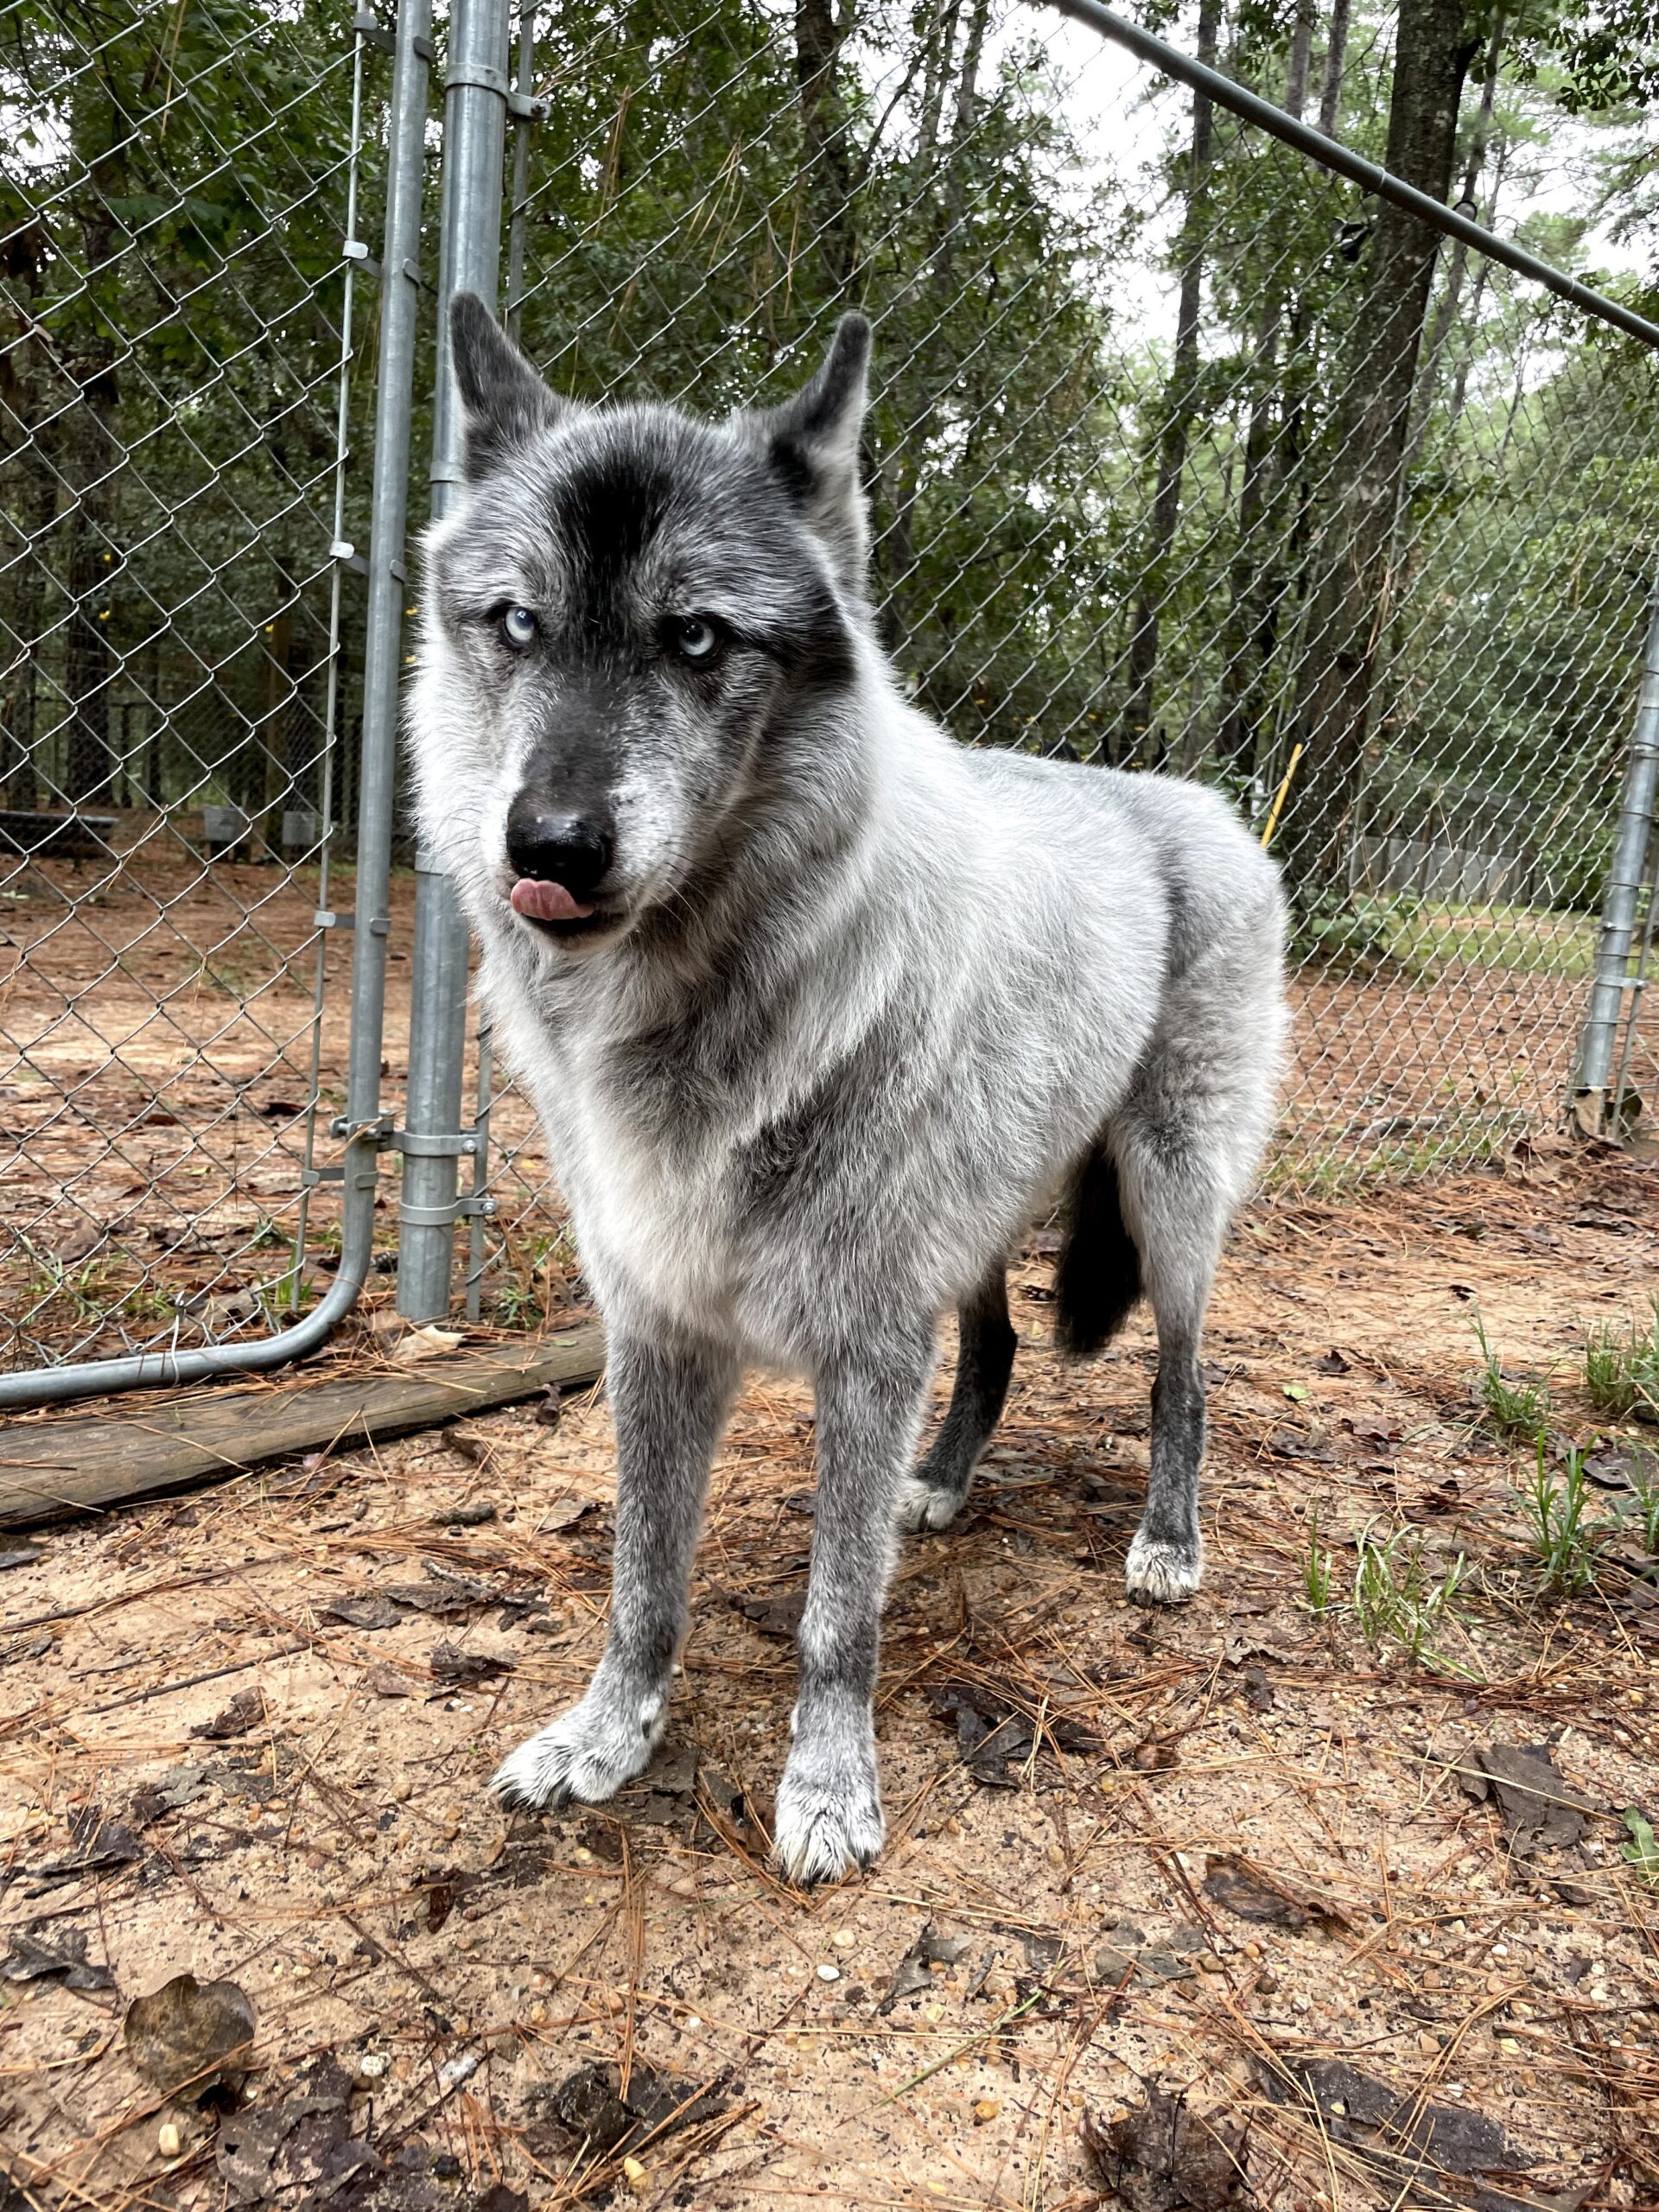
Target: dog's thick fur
x,y
851,1002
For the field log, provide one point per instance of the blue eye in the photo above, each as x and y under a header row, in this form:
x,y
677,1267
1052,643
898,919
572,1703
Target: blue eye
x,y
519,627
694,638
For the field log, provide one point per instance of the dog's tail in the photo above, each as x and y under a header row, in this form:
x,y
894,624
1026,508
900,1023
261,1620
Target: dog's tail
x,y
1098,1279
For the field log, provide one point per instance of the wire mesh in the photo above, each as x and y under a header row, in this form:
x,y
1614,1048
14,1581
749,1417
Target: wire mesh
x,y
178,655
1126,347
1111,464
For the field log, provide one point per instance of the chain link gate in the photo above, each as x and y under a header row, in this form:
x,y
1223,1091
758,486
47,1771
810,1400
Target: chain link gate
x,y
194,689
1122,348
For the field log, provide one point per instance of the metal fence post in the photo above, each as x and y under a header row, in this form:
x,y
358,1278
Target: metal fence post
x,y
475,152
388,576
1625,876
360,1127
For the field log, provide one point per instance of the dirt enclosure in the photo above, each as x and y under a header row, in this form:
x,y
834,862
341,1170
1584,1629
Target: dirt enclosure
x,y
1250,1904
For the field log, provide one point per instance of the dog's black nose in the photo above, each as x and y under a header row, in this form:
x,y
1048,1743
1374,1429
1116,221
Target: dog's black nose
x,y
567,849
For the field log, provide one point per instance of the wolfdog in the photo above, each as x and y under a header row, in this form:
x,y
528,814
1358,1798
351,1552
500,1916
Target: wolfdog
x,y
817,1007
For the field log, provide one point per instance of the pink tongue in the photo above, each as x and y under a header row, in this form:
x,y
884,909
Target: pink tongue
x,y
546,902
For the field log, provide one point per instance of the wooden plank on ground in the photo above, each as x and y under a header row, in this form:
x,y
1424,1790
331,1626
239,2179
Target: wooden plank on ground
x,y
58,1466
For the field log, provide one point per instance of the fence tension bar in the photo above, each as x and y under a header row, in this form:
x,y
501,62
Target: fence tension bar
x,y
1330,154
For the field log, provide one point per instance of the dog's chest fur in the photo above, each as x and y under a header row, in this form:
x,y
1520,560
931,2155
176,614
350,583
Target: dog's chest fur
x,y
855,1109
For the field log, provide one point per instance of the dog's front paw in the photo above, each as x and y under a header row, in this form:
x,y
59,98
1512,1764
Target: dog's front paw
x,y
587,1753
828,1821
1163,1574
927,1505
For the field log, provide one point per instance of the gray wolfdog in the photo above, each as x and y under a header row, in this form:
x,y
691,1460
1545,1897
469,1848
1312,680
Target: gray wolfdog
x,y
817,1009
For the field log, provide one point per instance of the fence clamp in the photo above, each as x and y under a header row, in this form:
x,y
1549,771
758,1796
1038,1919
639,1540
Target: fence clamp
x,y
445,1217
423,1147
367,26
528,107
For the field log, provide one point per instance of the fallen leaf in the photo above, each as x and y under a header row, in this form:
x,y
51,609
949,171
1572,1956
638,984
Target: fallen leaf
x,y
1531,1792
31,1960
1162,2155
775,1616
426,1342
361,1612
449,1663
306,2143
245,1710
590,2109
1253,1894
386,1682
186,2033
1399,2131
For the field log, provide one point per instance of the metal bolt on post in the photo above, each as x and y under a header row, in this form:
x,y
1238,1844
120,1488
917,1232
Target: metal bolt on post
x,y
1625,878
474,152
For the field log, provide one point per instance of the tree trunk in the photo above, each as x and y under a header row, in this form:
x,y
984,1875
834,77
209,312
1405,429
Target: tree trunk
x,y
89,665
1181,404
1336,56
91,456
826,159
1253,584
907,476
1444,319
36,506
1349,611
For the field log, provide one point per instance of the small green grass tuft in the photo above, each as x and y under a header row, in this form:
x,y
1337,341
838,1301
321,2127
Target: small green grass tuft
x,y
1316,1569
1621,1371
1560,1533
1644,1494
1514,1408
1397,1596
1642,1849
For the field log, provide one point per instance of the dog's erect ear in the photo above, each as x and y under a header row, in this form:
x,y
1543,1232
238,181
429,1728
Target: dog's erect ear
x,y
504,401
813,443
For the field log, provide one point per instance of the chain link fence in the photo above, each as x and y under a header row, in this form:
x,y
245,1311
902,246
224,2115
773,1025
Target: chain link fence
x,y
180,656
1185,453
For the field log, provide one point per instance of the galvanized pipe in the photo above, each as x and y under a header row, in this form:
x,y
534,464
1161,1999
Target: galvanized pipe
x,y
1598,1039
475,152
360,1170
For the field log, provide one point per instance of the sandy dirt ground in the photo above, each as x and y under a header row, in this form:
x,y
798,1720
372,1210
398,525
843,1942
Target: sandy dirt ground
x,y
1230,1906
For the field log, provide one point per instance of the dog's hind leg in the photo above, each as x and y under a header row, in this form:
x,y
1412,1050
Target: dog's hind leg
x,y
1186,1144
1179,1219
934,1495
869,1405
669,1402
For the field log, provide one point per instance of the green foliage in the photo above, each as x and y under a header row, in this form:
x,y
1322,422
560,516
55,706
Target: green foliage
x,y
1621,1369
1399,1598
1645,1495
1555,1505
1316,1569
1642,1849
1514,1408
